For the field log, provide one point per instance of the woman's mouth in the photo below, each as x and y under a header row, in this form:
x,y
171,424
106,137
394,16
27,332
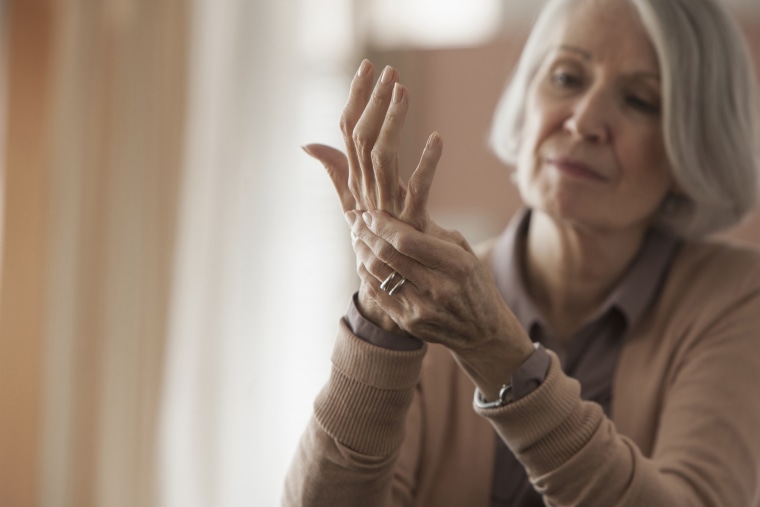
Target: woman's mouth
x,y
575,168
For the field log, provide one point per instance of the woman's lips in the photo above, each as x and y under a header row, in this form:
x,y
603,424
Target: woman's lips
x,y
575,168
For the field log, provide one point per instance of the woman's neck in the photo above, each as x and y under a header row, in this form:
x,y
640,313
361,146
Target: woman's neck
x,y
570,271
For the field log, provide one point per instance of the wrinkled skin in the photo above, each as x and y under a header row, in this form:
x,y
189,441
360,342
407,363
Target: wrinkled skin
x,y
449,297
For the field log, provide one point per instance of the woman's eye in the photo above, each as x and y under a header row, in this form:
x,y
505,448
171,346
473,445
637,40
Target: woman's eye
x,y
642,104
565,79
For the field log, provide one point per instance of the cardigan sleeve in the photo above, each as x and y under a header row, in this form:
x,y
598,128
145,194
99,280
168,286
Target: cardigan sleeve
x,y
348,453
367,331
706,449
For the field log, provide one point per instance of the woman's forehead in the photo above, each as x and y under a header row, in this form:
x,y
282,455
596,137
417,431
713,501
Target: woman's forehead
x,y
604,30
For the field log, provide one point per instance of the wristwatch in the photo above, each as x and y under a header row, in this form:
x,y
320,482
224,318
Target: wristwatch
x,y
505,394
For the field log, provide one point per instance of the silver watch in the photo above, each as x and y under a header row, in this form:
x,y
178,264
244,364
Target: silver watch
x,y
505,394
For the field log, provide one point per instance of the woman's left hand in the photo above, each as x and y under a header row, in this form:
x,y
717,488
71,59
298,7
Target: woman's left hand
x,y
449,296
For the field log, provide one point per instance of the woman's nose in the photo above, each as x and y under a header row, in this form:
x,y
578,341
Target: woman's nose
x,y
590,117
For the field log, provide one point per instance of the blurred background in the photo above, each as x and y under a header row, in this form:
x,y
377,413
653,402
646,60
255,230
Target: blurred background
x,y
172,265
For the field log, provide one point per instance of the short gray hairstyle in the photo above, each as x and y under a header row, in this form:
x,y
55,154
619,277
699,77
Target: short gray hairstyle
x,y
710,109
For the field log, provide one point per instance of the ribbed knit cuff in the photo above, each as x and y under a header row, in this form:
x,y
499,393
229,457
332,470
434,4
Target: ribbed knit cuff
x,y
364,404
367,331
548,426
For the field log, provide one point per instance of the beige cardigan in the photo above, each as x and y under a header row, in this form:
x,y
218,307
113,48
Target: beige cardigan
x,y
392,429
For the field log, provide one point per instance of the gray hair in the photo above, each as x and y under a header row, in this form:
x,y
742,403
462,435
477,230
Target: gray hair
x,y
710,109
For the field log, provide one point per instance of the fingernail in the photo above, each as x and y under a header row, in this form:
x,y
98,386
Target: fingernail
x,y
363,67
350,217
433,140
387,76
367,218
398,92
306,149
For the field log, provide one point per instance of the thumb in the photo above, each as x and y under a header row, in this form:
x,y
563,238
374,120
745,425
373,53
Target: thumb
x,y
336,165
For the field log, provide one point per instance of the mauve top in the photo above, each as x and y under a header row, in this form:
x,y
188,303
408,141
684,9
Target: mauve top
x,y
590,355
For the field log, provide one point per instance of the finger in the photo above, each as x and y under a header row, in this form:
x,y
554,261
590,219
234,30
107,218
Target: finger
x,y
383,289
428,250
418,189
367,130
336,165
385,152
454,237
375,272
381,259
396,305
358,97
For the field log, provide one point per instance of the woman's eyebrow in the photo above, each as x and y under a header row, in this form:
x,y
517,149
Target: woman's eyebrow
x,y
574,49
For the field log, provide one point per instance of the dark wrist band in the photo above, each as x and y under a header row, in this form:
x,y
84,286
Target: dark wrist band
x,y
505,394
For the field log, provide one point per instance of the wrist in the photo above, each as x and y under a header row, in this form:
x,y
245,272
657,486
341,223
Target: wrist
x,y
371,311
506,391
492,370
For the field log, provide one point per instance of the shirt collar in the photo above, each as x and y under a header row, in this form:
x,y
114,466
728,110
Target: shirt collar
x,y
633,294
506,267
641,282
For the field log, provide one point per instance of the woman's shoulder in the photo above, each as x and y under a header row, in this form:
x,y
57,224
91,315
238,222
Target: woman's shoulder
x,y
711,275
717,260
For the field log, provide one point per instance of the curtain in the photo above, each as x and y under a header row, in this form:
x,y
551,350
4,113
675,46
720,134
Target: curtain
x,y
94,136
3,116
25,162
173,266
264,268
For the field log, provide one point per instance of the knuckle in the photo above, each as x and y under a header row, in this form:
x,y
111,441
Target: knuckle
x,y
457,237
449,235
354,187
365,276
394,115
380,157
361,140
441,294
386,252
346,124
376,99
418,316
374,265
415,187
403,241
462,242
419,324
464,270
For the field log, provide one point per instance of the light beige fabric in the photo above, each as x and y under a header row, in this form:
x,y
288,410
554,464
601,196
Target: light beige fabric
x,y
685,428
95,134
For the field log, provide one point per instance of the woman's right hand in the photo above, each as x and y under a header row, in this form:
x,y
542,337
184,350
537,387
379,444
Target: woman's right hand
x,y
367,176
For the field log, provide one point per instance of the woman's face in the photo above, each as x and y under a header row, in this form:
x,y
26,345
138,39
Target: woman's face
x,y
592,150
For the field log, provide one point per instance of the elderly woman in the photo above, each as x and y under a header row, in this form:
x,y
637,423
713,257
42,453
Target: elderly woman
x,y
613,353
